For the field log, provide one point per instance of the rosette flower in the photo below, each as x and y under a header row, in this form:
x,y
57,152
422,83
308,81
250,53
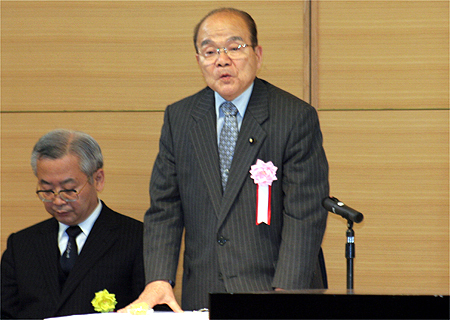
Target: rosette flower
x,y
263,173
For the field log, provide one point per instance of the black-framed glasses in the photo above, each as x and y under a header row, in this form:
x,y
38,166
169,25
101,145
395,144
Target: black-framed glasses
x,y
233,50
68,195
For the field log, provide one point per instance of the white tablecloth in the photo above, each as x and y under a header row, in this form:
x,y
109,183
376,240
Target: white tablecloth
x,y
158,315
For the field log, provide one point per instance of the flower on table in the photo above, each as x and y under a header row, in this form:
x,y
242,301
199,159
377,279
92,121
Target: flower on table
x,y
104,301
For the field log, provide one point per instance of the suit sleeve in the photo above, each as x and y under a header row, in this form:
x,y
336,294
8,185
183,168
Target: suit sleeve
x,y
305,185
163,221
10,292
138,269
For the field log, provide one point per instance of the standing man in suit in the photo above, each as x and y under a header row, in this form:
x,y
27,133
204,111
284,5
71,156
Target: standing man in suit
x,y
44,273
193,189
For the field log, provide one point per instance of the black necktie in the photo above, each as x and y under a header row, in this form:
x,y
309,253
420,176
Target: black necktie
x,y
70,255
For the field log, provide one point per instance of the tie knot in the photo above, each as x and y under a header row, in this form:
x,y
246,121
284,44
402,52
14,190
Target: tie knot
x,y
73,231
229,108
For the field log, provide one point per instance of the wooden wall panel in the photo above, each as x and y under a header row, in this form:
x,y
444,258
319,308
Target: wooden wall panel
x,y
127,55
393,166
383,54
124,61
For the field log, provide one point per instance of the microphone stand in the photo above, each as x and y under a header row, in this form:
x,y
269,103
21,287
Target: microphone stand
x,y
338,207
350,255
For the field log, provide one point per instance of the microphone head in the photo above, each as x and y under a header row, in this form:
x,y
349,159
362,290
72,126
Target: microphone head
x,y
336,206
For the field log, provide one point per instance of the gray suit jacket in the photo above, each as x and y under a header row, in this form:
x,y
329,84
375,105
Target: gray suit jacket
x,y
110,259
225,251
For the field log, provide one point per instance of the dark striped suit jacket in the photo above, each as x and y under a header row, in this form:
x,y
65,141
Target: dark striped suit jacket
x,y
110,259
225,250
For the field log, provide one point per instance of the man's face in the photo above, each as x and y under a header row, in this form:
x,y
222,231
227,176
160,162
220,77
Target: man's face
x,y
228,77
65,174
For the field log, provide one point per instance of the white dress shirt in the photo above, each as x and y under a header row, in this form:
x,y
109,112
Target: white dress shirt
x,y
85,226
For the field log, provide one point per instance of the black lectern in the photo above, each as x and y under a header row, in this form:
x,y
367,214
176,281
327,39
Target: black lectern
x,y
320,305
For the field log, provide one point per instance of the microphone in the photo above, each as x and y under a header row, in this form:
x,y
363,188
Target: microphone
x,y
338,207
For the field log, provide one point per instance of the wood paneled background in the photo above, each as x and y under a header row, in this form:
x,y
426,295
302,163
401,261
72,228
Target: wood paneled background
x,y
377,72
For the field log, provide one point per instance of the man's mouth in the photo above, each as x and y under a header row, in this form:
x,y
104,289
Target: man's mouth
x,y
62,212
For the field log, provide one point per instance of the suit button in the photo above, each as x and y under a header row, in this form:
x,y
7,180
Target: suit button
x,y
221,240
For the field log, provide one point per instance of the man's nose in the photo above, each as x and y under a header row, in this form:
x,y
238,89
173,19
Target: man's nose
x,y
57,200
223,58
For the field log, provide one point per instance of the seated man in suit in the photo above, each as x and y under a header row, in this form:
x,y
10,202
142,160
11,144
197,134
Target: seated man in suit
x,y
45,272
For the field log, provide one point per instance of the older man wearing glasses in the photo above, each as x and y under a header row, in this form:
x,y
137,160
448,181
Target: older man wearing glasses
x,y
55,267
240,235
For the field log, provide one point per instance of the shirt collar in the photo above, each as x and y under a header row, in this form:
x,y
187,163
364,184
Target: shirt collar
x,y
240,102
86,225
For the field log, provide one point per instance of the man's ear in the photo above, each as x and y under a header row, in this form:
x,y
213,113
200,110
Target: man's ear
x,y
99,180
197,57
259,54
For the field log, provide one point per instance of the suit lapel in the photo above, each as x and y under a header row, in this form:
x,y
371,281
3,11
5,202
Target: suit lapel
x,y
101,238
47,245
204,139
250,139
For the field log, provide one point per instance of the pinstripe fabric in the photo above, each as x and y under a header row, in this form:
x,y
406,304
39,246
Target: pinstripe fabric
x,y
225,249
110,259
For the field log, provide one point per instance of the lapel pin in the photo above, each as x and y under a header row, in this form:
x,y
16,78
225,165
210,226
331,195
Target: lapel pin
x,y
251,140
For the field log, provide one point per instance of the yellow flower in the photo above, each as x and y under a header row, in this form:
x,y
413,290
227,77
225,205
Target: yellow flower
x,y
104,301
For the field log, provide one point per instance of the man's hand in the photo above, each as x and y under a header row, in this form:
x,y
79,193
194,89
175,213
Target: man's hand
x,y
156,292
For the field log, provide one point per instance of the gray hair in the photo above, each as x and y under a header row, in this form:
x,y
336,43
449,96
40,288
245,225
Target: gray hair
x,y
61,142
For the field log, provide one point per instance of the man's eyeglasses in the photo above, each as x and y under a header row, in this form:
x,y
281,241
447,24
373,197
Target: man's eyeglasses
x,y
233,50
68,195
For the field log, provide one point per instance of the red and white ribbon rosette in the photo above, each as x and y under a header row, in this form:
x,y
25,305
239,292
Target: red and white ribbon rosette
x,y
263,174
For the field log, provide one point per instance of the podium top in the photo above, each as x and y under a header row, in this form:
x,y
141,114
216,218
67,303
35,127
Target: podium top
x,y
322,304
